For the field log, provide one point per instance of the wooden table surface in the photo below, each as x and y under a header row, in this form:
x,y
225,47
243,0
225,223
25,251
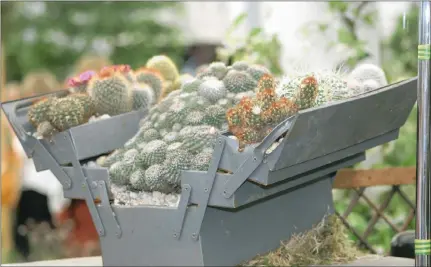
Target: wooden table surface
x,y
97,261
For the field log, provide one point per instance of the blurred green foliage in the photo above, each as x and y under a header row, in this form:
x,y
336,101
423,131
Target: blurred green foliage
x,y
256,47
399,62
350,14
53,35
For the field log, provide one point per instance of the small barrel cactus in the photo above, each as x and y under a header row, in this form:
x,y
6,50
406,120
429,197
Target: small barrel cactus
x,y
120,172
86,102
39,111
111,94
155,178
365,72
165,66
307,93
143,97
257,72
137,180
46,130
152,78
212,89
238,81
67,112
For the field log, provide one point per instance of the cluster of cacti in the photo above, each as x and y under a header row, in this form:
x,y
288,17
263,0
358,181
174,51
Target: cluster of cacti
x,y
52,115
254,117
331,87
179,133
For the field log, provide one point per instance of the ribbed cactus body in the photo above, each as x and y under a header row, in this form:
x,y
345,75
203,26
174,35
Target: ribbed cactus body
x,y
153,153
86,102
150,135
199,138
307,93
111,95
155,178
175,164
191,85
154,79
120,172
202,160
218,69
238,81
115,156
39,111
143,97
165,66
240,65
137,180
215,116
67,112
257,72
213,90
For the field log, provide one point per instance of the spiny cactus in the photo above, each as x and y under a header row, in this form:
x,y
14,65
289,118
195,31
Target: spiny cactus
x,y
111,94
307,93
366,72
78,84
237,81
180,131
240,65
257,71
39,111
143,97
67,112
86,102
168,70
165,66
153,78
119,172
123,69
212,89
252,118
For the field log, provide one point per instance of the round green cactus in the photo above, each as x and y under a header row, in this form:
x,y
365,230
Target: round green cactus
x,y
170,137
86,102
143,97
240,65
191,86
155,179
137,180
218,69
195,117
153,78
111,95
165,66
199,138
153,153
215,116
175,163
257,72
150,135
115,156
238,81
67,112
202,160
120,172
212,89
39,111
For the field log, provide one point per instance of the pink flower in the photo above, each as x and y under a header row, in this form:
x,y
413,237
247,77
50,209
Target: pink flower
x,y
86,76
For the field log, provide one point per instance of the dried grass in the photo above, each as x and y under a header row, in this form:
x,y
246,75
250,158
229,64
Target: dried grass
x,y
327,243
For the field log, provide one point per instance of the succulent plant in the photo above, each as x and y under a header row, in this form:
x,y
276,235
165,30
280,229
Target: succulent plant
x,y
111,93
154,79
165,66
238,81
257,71
179,132
120,172
143,97
86,102
67,112
253,117
364,72
39,111
307,93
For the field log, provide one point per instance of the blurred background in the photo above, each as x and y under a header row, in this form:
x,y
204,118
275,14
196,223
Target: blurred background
x,y
44,43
